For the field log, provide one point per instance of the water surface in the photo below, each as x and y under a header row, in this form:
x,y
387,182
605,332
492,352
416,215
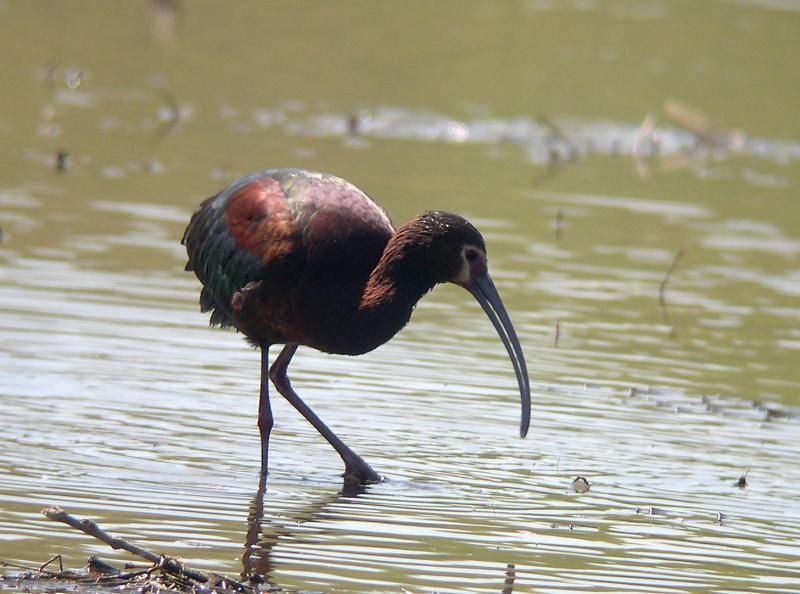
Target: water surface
x,y
118,403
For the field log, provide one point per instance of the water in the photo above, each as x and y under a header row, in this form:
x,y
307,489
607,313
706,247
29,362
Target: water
x,y
118,403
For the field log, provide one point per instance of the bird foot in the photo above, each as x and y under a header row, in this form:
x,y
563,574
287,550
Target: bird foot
x,y
358,471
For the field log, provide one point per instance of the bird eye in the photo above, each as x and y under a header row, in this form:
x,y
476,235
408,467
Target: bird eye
x,y
471,255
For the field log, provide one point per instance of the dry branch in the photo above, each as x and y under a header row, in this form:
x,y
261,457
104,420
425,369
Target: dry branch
x,y
162,562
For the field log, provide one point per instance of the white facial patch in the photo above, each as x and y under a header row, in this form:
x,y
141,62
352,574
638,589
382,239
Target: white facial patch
x,y
464,275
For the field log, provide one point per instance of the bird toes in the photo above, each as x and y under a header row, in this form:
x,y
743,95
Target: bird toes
x,y
361,473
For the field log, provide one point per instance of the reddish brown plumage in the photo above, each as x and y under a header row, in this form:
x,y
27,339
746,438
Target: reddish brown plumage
x,y
300,258
258,220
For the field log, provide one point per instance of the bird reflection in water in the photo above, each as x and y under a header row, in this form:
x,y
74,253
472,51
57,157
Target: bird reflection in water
x,y
261,537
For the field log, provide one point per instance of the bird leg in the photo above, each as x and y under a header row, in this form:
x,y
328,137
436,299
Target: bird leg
x,y
355,468
265,420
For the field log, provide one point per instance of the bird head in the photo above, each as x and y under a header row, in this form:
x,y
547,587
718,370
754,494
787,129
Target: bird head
x,y
459,256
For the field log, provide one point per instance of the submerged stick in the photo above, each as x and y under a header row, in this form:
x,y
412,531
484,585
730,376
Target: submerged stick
x,y
558,223
174,118
662,289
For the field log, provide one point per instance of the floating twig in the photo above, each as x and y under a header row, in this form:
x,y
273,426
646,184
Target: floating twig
x,y
62,160
708,134
742,482
558,334
354,124
555,161
556,136
50,77
707,130
74,78
662,287
645,137
174,115
558,223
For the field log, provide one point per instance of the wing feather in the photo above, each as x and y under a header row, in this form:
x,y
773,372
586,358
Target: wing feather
x,y
220,253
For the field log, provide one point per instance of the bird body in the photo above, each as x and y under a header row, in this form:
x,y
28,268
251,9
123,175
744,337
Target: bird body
x,y
293,257
285,257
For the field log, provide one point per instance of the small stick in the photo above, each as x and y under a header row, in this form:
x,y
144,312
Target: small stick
x,y
56,558
57,514
174,115
662,287
554,161
742,482
665,281
702,125
62,160
354,124
558,223
644,136
556,135
558,334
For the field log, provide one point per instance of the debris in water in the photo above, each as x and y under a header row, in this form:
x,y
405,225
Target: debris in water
x,y
56,558
708,131
173,114
662,290
354,124
165,573
742,482
511,575
580,485
650,511
558,334
707,135
62,157
555,137
558,223
561,151
74,78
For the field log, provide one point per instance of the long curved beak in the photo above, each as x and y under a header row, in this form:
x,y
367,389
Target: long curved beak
x,y
483,289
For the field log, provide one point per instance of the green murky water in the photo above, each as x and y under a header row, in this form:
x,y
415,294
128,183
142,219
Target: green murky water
x,y
118,403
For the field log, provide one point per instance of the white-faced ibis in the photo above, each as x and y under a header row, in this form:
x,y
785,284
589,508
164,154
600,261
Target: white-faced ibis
x,y
294,257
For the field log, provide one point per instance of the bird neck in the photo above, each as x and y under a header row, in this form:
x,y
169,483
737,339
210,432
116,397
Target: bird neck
x,y
399,280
